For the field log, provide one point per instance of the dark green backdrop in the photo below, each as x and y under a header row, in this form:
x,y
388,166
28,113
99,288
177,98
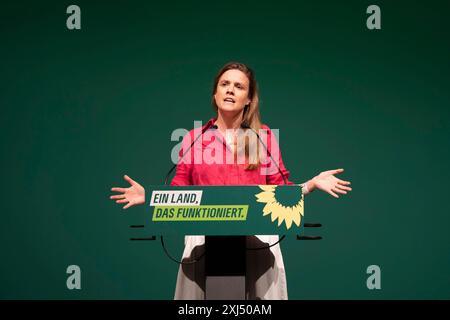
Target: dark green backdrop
x,y
81,108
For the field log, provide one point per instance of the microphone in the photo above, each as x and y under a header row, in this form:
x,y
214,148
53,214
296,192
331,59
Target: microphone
x,y
212,126
208,127
245,125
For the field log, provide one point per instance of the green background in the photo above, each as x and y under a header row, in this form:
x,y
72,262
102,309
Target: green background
x,y
79,109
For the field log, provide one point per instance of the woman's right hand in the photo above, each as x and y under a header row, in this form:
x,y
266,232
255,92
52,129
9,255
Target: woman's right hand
x,y
133,195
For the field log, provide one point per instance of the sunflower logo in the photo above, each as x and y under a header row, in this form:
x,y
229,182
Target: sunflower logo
x,y
284,203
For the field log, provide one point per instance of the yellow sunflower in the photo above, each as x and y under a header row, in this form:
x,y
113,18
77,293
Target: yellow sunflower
x,y
286,213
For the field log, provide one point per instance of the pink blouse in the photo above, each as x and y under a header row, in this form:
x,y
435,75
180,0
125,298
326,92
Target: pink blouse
x,y
198,166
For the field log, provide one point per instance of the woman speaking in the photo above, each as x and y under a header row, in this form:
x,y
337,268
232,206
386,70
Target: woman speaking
x,y
230,157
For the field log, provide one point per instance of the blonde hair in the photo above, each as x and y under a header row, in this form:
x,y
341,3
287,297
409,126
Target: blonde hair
x,y
251,116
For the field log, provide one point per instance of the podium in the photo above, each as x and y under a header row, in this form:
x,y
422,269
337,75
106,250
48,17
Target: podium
x,y
225,215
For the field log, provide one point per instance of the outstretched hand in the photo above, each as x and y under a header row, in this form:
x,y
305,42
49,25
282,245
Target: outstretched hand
x,y
326,181
133,195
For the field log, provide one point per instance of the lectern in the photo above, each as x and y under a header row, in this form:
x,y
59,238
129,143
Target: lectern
x,y
225,215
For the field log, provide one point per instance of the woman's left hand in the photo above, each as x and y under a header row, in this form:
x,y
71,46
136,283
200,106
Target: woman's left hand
x,y
326,181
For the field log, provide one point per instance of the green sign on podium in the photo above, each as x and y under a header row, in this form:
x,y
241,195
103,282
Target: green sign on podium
x,y
224,210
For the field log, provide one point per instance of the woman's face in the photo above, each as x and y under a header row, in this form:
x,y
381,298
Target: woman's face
x,y
232,91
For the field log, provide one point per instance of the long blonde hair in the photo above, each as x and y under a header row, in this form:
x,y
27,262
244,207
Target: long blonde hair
x,y
251,117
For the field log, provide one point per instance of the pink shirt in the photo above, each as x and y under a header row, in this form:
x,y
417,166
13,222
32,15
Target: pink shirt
x,y
204,165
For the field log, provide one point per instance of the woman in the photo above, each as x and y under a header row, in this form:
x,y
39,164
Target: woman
x,y
235,99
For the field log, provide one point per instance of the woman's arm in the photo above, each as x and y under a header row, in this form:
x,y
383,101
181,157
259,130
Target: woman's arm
x,y
133,195
326,181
